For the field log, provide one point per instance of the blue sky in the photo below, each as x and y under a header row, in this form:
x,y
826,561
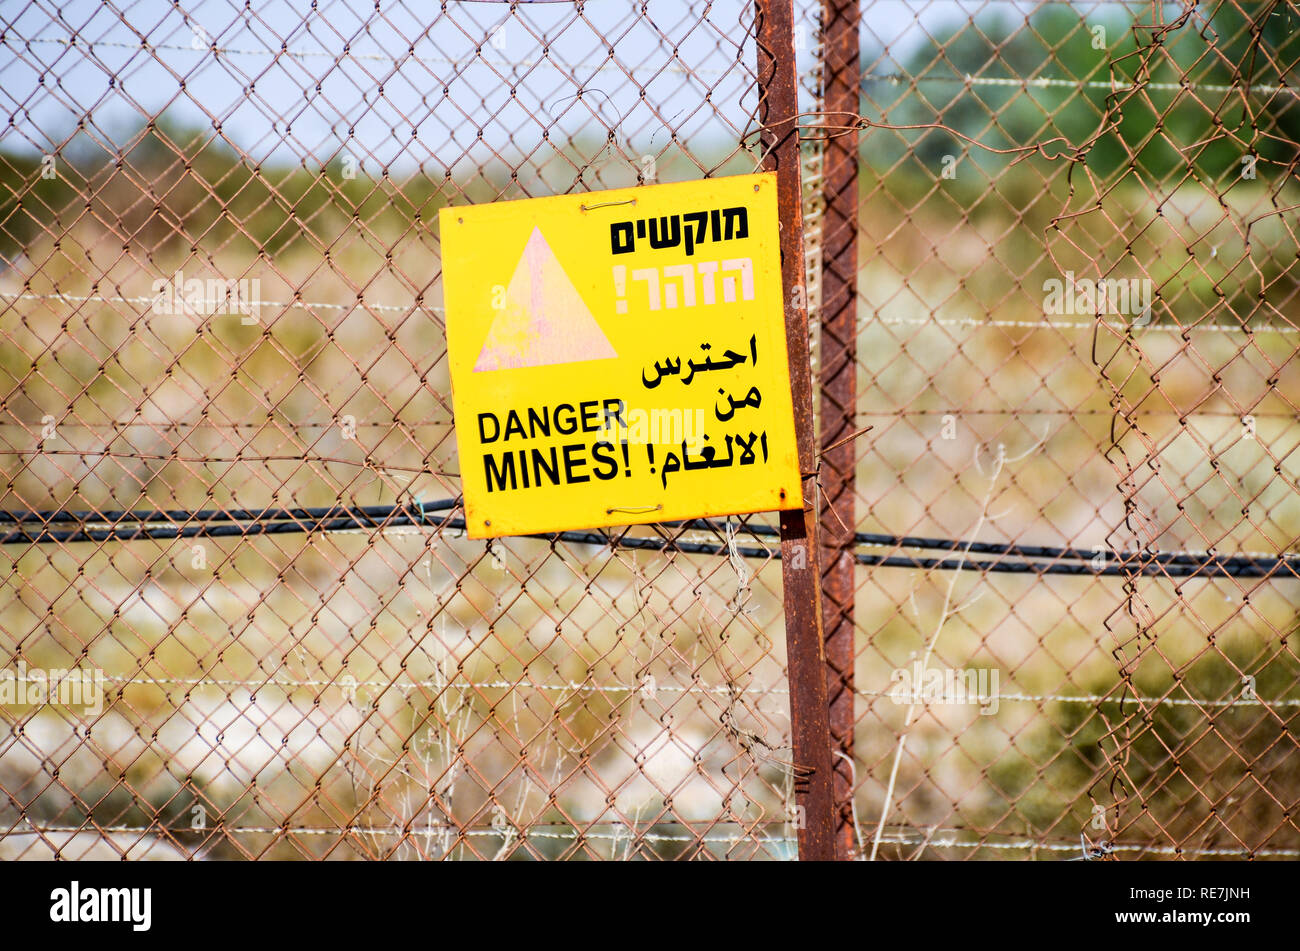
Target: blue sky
x,y
270,107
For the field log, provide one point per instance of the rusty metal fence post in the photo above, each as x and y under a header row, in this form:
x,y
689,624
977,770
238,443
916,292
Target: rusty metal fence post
x,y
801,582
837,378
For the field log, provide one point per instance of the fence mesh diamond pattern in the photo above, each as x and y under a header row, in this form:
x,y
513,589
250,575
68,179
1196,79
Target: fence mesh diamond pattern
x,y
1052,263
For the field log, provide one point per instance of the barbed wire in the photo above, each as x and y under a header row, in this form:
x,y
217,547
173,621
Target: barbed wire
x,y
646,690
967,80
1155,326
907,835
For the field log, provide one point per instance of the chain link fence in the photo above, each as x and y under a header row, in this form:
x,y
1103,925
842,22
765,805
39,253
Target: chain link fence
x,y
1051,257
1075,315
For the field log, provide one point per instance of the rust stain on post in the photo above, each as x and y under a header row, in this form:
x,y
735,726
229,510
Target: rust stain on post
x,y
810,729
841,79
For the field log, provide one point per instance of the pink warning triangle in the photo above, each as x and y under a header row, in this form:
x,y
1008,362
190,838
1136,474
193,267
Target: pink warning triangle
x,y
544,319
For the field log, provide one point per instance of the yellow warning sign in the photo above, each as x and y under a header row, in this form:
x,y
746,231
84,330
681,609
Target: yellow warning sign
x,y
619,357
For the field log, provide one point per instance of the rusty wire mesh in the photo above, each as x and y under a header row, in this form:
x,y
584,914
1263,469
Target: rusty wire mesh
x,y
1148,707
305,681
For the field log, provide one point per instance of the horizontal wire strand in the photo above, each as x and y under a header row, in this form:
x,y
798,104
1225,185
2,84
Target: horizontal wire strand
x,y
33,528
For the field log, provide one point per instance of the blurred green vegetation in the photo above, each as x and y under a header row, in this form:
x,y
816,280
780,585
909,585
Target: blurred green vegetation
x,y
1183,761
177,184
1215,126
